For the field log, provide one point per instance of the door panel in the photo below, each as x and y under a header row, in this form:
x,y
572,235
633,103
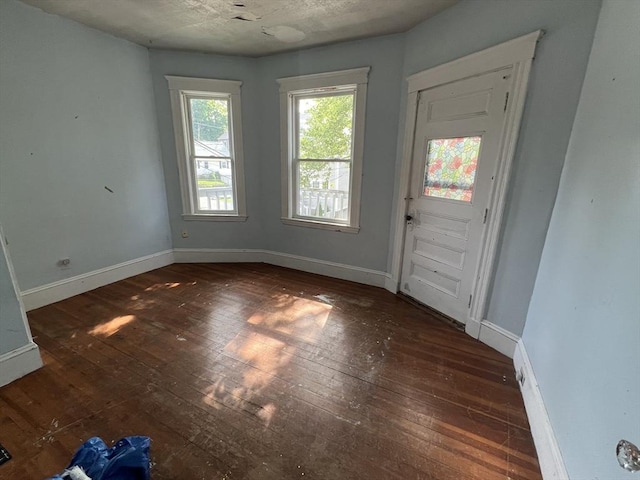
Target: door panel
x,y
440,248
453,227
455,154
463,106
427,272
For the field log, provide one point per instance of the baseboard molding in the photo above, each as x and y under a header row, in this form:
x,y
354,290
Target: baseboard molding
x,y
549,456
391,284
305,264
492,335
498,338
487,332
19,362
217,255
56,291
330,269
472,328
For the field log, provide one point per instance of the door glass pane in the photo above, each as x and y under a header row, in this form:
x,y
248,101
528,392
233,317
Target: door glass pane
x,y
323,190
215,184
324,127
210,126
451,167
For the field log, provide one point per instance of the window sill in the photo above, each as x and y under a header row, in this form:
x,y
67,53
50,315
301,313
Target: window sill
x,y
335,227
214,218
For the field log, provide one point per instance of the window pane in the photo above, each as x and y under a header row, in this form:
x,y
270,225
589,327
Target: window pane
x,y
324,126
323,190
215,184
451,167
210,126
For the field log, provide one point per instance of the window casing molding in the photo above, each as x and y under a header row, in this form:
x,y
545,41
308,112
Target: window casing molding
x,y
181,89
355,81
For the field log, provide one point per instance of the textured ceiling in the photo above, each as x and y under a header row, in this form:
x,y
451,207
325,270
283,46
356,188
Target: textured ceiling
x,y
249,27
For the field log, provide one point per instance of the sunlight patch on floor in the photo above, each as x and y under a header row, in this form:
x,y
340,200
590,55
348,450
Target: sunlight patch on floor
x,y
263,352
295,316
107,329
166,286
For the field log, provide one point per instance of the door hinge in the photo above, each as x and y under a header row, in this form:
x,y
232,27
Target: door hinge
x,y
486,212
470,297
506,101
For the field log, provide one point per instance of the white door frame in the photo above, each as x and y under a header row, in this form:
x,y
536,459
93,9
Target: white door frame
x,y
519,54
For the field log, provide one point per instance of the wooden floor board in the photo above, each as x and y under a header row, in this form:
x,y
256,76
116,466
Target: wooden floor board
x,y
250,371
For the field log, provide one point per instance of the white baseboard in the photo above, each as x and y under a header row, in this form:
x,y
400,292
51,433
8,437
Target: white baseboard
x,y
19,362
217,255
472,328
549,456
489,333
305,264
492,335
498,338
330,269
391,284
56,291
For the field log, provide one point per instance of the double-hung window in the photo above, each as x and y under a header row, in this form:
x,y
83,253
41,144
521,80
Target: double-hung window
x,y
322,140
207,127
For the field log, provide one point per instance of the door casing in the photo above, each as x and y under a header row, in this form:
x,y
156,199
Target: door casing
x,y
518,54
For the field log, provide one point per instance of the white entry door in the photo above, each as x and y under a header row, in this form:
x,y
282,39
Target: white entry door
x,y
456,146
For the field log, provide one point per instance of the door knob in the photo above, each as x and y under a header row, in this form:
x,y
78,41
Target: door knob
x,y
628,456
408,218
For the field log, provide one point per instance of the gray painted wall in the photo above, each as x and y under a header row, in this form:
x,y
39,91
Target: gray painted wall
x,y
205,234
13,331
76,115
463,29
370,246
261,131
105,82
583,327
554,88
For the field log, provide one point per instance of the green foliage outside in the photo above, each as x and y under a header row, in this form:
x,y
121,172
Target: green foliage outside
x,y
327,134
211,179
210,118
202,183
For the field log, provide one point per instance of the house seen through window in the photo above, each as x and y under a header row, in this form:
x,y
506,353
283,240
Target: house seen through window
x,y
208,139
210,130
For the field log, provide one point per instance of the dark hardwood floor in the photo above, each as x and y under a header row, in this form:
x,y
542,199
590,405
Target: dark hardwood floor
x,y
253,371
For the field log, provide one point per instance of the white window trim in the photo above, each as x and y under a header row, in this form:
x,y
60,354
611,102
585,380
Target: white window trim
x,y
178,88
357,77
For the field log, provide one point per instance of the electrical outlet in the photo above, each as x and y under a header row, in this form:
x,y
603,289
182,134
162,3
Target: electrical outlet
x,y
185,234
64,262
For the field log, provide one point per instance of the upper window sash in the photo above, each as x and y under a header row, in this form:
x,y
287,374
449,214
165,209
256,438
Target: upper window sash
x,y
186,105
295,98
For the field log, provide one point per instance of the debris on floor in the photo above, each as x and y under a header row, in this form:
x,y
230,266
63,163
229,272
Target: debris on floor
x,y
128,459
5,456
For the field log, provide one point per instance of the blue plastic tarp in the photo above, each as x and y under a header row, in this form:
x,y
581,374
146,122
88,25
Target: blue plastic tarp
x,y
128,459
